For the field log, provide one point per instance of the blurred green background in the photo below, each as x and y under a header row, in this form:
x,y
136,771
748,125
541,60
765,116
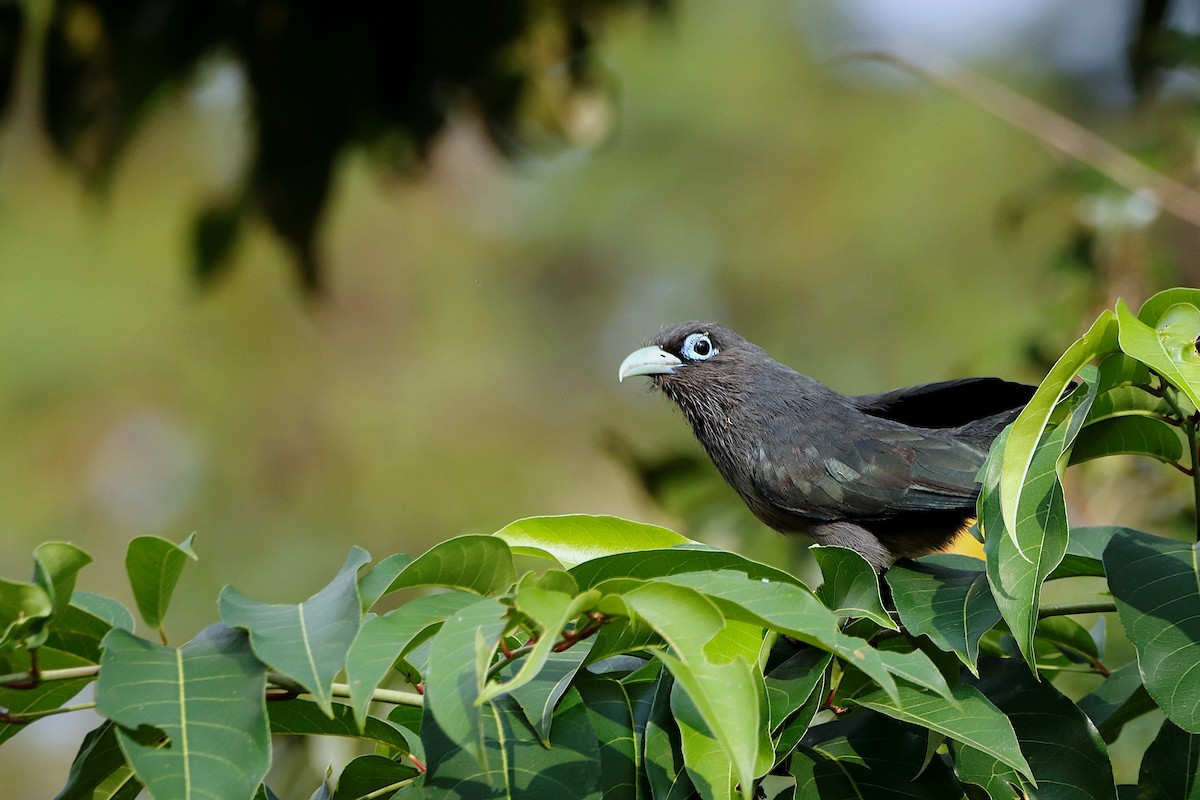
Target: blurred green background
x,y
461,371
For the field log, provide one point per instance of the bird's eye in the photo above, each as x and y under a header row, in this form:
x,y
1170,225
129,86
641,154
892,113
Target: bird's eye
x,y
697,347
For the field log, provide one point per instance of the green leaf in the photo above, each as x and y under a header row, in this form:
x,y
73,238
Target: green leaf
x,y
868,756
576,538
477,564
207,698
1085,552
55,567
968,717
459,657
1064,750
154,566
1131,435
1153,309
611,713
73,641
1068,637
369,774
307,642
538,696
382,640
1119,699
305,718
1027,432
790,683
1157,591
851,587
946,598
727,695
1171,765
24,608
549,611
984,771
1018,564
1169,348
663,751
517,766
675,561
791,610
706,761
99,771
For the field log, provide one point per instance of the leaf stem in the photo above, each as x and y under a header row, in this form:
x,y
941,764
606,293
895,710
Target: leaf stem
x,y
25,717
1189,428
31,679
1097,607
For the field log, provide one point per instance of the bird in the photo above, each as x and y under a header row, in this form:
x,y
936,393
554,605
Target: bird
x,y
889,475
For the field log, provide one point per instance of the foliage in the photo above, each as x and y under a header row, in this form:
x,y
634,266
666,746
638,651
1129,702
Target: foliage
x,y
637,663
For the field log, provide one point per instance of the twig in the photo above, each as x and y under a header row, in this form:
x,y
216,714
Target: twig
x,y
26,717
1097,607
31,679
1064,135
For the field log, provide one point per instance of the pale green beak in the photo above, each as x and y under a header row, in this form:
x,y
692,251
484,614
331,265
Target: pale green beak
x,y
648,361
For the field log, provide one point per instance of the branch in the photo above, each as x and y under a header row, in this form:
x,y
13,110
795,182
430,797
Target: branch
x,y
1064,135
1097,607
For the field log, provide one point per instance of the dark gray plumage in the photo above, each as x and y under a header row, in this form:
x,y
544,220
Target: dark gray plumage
x,y
889,475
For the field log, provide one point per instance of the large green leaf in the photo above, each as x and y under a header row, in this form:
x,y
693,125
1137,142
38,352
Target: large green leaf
x,y
381,640
796,612
968,717
1064,750
459,657
705,759
99,771
1019,563
1085,552
576,538
1156,586
946,598
307,642
727,695
1027,432
1120,698
206,698
154,566
477,564
1171,765
1129,435
868,756
1168,346
851,587
674,561
517,765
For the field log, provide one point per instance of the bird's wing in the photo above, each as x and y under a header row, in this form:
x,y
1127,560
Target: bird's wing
x,y
863,468
948,404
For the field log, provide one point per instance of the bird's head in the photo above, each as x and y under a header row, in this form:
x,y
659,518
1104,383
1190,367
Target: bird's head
x,y
691,357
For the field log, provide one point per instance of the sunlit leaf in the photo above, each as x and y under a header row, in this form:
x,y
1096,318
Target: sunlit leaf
x,y
1027,431
576,538
674,561
1129,435
478,564
1168,347
206,698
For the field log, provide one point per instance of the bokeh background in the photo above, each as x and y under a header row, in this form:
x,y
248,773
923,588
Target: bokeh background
x,y
459,370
